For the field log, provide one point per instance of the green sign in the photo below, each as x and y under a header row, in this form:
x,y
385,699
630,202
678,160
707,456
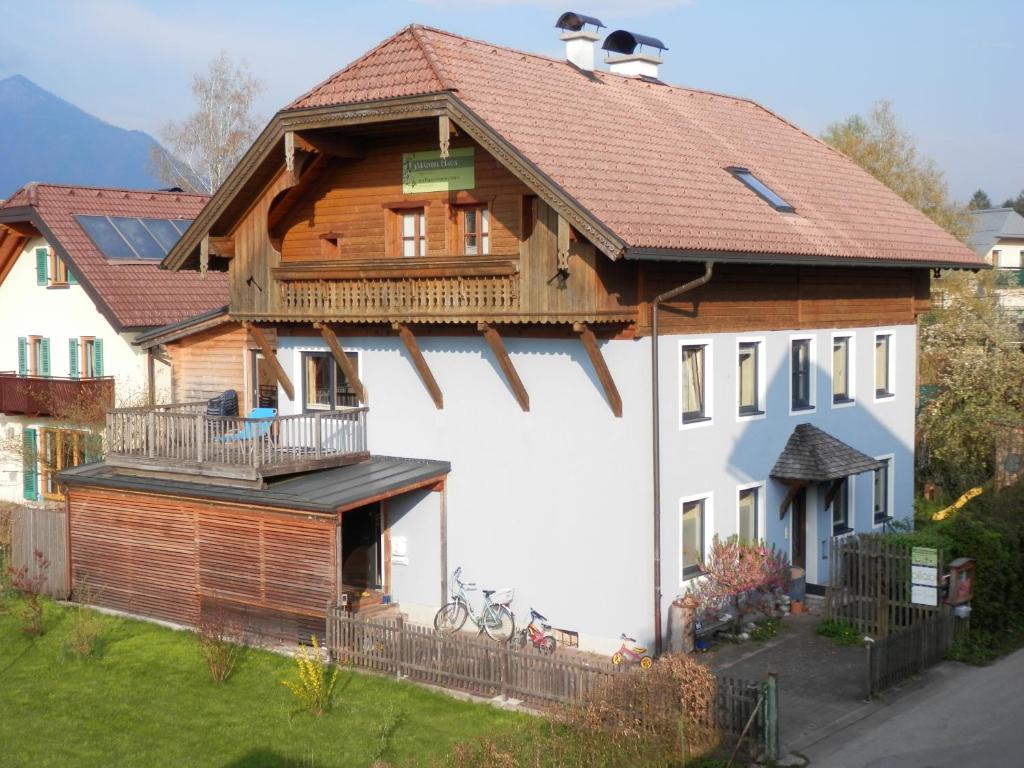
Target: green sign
x,y
924,556
427,172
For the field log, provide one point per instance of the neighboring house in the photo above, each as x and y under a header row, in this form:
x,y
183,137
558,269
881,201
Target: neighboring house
x,y
453,251
998,237
79,280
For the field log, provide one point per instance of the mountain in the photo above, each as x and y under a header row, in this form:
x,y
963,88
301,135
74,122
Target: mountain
x,y
44,138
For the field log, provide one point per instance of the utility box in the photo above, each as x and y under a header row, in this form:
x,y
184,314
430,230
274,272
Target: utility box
x,y
961,581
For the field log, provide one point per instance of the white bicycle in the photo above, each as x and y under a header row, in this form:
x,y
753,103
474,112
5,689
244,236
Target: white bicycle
x,y
494,618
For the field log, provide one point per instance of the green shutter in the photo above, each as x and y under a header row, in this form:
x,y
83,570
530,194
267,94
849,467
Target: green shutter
x,y
42,265
97,357
23,356
44,353
73,358
30,464
72,280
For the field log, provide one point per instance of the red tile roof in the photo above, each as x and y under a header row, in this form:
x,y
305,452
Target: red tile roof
x,y
648,159
135,295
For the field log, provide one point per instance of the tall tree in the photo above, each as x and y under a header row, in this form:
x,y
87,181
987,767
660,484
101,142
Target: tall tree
x,y
979,201
1016,203
204,148
887,152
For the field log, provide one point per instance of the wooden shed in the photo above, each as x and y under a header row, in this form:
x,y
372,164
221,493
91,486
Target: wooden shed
x,y
272,557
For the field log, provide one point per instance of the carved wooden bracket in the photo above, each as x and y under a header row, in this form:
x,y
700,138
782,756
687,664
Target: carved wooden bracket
x,y
444,131
794,489
351,374
497,346
611,392
833,490
426,375
270,356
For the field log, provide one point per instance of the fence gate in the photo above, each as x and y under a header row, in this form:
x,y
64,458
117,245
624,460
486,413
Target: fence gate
x,y
45,530
870,584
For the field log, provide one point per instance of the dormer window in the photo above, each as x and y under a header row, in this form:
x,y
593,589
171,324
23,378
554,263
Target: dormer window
x,y
761,189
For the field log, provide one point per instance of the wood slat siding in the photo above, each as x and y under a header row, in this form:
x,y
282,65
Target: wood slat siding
x,y
204,365
45,530
775,297
164,557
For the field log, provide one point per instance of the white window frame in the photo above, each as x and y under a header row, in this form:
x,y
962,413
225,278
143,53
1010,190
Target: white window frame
x,y
759,377
890,492
298,370
813,384
708,531
891,362
851,363
851,508
709,382
759,512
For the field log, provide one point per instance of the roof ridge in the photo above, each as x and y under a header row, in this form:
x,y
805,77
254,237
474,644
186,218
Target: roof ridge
x,y
71,187
433,60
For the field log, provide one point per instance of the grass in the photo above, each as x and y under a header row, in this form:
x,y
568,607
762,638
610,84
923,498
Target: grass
x,y
147,699
841,632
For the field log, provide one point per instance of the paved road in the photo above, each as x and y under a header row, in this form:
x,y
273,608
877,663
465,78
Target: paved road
x,y
962,717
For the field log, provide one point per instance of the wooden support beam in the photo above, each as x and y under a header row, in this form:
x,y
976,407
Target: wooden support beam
x,y
270,357
351,374
426,375
332,146
497,346
794,489
833,490
444,542
204,255
600,367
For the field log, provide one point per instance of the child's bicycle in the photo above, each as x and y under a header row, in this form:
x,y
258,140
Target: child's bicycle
x,y
535,634
494,618
631,653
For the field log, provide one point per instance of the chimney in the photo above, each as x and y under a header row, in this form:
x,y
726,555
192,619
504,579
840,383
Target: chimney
x,y
579,41
626,54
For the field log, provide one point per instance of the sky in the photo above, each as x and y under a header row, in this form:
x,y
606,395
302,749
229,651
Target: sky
x,y
951,68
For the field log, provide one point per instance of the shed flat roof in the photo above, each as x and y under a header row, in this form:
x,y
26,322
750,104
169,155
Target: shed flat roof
x,y
324,490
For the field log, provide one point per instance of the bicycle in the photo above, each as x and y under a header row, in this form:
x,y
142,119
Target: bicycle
x,y
632,653
494,618
533,633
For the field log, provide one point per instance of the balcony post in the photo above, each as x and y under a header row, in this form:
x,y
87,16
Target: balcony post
x,y
319,434
151,434
200,435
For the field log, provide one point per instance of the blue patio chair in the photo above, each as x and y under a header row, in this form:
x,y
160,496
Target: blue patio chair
x,y
259,427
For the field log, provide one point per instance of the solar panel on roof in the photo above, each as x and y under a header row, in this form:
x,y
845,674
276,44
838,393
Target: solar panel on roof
x,y
128,237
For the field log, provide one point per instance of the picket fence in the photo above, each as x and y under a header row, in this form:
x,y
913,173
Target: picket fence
x,y
909,652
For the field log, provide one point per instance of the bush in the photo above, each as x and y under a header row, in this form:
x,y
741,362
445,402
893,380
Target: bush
x,y
31,586
845,634
317,678
221,642
85,633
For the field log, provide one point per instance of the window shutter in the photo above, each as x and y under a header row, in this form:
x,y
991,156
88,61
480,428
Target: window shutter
x,y
97,357
72,280
73,358
42,265
23,356
44,353
30,465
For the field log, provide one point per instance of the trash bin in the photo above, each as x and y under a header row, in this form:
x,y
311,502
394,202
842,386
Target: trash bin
x,y
797,584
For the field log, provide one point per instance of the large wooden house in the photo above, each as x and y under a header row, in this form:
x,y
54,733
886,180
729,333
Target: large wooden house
x,y
460,253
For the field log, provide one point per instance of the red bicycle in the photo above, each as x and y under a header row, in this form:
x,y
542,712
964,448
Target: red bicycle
x,y
535,633
631,653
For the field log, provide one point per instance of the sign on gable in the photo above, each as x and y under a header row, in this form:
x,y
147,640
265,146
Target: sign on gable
x,y
429,172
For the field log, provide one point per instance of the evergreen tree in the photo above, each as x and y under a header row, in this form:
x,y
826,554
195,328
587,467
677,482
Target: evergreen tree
x,y
979,201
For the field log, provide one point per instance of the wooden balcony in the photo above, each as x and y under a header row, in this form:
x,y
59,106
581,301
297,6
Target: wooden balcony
x,y
180,439
79,399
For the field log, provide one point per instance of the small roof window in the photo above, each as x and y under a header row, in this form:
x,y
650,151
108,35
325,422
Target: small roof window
x,y
761,189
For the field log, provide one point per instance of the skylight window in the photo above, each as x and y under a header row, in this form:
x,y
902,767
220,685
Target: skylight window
x,y
125,237
761,189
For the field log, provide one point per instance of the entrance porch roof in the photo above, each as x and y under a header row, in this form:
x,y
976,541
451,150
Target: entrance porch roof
x,y
813,455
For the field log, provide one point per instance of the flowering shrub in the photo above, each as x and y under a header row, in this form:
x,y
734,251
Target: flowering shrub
x,y
735,568
315,688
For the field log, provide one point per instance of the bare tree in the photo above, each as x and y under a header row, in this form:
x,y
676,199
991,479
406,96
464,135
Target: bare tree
x,y
203,149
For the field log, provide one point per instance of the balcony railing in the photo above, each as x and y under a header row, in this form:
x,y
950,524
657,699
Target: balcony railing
x,y
81,400
181,439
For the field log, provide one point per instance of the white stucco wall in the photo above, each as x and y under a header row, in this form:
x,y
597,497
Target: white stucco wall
x,y
556,502
59,314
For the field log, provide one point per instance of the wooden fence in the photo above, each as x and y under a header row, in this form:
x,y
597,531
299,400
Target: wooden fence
x,y
745,711
907,653
869,584
45,530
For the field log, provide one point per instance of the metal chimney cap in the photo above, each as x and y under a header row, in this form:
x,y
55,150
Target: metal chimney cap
x,y
626,42
574,22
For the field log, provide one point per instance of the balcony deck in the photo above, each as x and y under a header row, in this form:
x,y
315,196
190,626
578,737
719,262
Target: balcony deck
x,y
55,396
180,439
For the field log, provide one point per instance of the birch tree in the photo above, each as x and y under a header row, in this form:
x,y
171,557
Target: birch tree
x,y
204,148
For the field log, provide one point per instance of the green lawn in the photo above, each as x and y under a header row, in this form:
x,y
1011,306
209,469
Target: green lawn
x,y
147,700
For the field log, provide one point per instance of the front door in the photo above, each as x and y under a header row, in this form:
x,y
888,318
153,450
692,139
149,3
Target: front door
x,y
799,522
361,547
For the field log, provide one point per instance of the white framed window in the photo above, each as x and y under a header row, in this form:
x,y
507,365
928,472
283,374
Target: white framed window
x,y
750,378
324,385
802,377
695,383
882,491
844,372
842,508
884,356
414,232
750,521
695,524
